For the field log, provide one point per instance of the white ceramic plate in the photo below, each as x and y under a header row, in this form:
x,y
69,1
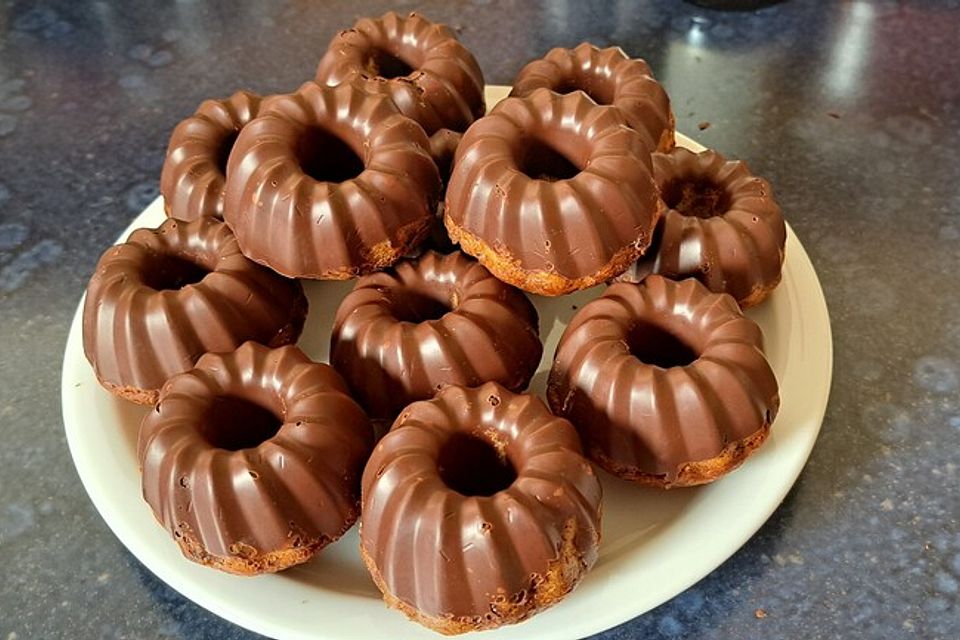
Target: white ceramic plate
x,y
655,543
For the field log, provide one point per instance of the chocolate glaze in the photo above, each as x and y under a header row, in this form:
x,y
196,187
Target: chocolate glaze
x,y
662,374
457,562
192,180
330,183
443,148
159,301
419,64
439,239
254,502
437,320
552,193
610,77
722,227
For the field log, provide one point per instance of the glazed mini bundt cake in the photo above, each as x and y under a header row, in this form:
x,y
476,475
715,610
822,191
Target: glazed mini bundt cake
x,y
437,320
722,226
610,77
166,296
478,510
418,64
192,180
330,183
252,460
552,193
665,381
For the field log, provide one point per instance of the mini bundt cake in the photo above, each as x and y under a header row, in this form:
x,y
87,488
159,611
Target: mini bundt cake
x,y
552,193
610,77
330,183
437,320
192,180
478,510
166,296
665,381
722,227
252,460
418,64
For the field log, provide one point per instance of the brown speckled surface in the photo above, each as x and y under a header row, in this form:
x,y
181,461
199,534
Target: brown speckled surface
x,y
851,110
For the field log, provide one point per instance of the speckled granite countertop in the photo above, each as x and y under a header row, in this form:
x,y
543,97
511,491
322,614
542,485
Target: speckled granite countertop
x,y
851,109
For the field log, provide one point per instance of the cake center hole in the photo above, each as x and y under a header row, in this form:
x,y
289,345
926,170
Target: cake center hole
x,y
656,346
386,65
169,272
541,161
697,198
471,466
326,158
599,91
415,306
224,149
234,423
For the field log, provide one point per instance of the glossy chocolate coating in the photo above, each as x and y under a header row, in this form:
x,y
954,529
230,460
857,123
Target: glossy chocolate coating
x,y
644,421
276,502
552,193
330,183
437,320
722,226
192,180
610,77
166,296
457,562
418,64
443,149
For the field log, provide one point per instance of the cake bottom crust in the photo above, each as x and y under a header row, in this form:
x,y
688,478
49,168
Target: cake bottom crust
x,y
545,590
691,473
248,561
506,267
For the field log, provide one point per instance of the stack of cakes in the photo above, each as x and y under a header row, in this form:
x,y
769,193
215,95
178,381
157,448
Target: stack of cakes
x,y
480,505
